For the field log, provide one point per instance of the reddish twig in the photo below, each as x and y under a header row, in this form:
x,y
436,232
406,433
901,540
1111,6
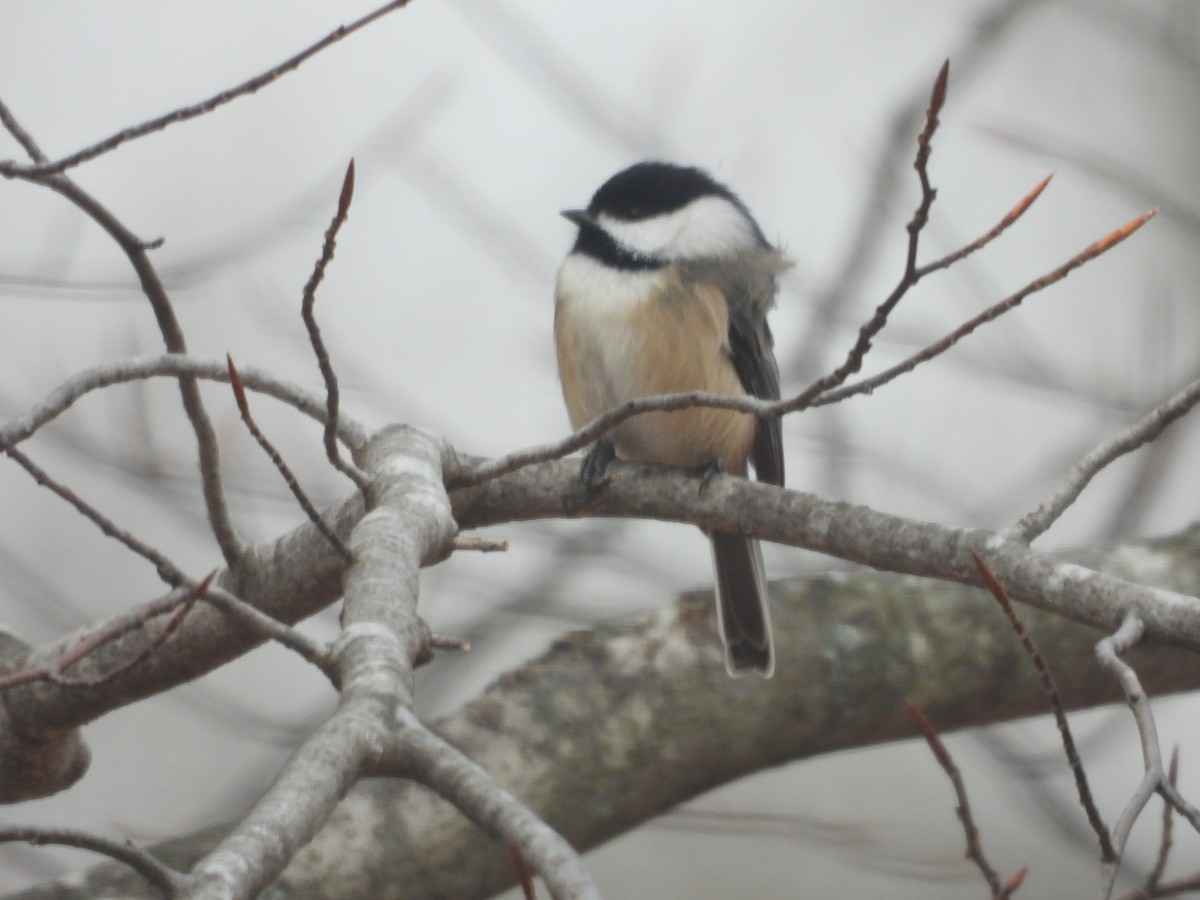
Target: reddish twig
x,y
946,761
314,516
524,875
1106,243
869,330
983,240
314,332
46,168
154,643
992,583
123,624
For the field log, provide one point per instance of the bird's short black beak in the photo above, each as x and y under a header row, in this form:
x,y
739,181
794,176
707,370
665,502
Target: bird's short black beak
x,y
579,216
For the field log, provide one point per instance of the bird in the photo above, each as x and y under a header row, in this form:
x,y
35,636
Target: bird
x,y
667,289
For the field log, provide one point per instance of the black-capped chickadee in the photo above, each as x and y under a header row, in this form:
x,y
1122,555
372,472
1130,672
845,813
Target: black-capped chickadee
x,y
667,289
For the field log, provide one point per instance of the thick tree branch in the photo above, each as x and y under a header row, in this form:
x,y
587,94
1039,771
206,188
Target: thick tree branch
x,y
654,692
844,530
300,573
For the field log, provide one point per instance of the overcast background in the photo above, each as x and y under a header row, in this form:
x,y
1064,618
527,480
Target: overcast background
x,y
472,123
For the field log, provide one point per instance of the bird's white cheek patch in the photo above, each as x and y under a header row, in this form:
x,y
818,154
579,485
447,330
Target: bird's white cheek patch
x,y
708,227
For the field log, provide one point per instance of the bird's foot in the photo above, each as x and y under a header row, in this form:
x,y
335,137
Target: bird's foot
x,y
593,471
708,470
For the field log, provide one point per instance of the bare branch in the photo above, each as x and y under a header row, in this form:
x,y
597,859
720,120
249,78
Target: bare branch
x,y
272,629
441,767
167,570
486,470
56,673
1106,243
524,875
863,535
1176,888
1108,652
946,761
314,332
1168,827
173,365
1107,853
160,876
85,646
46,168
449,642
23,137
868,332
1137,435
982,241
483,545
239,393
135,250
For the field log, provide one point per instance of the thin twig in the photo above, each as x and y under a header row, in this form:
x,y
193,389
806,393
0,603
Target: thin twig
x,y
45,168
167,570
314,332
601,425
58,677
314,516
482,545
160,876
1137,435
23,137
1106,243
439,641
135,250
870,329
1176,888
983,240
524,875
1107,853
128,621
1168,827
272,629
1108,654
1185,809
946,761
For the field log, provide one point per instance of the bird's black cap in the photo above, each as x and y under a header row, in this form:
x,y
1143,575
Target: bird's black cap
x,y
654,188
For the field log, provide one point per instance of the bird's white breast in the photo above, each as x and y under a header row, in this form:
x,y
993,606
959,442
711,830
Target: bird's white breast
x,y
600,316
600,292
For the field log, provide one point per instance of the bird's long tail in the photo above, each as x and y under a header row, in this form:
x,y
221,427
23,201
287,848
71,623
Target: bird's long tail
x,y
742,609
